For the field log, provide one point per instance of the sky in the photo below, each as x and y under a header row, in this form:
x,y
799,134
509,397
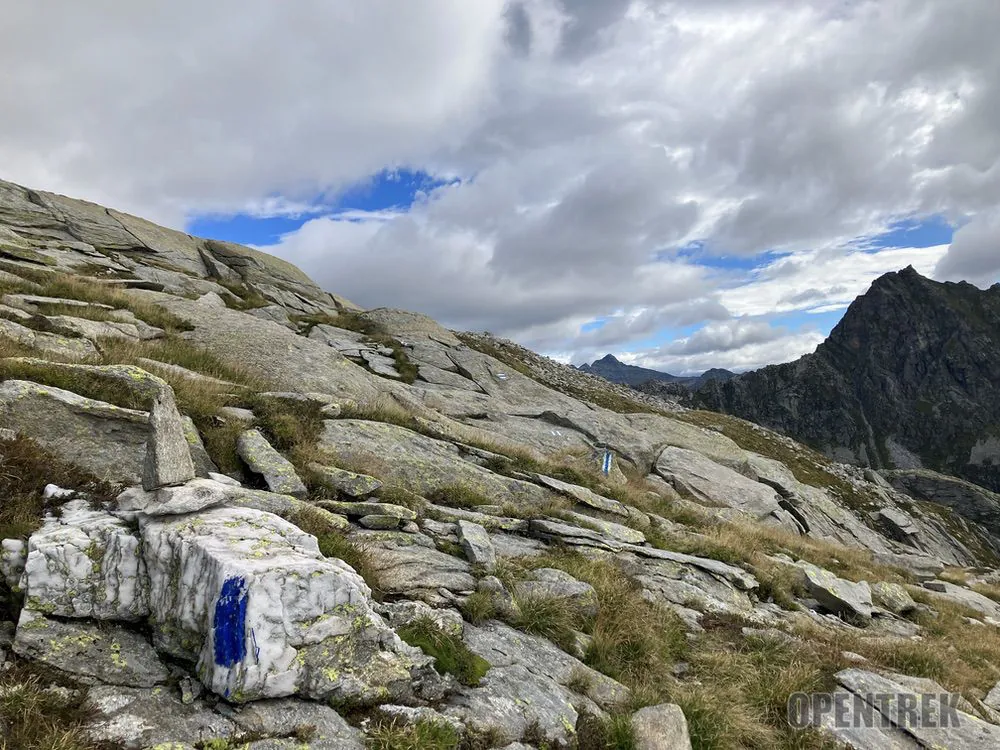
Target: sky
x,y
684,183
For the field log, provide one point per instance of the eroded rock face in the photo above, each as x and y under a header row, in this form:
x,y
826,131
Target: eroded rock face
x,y
910,369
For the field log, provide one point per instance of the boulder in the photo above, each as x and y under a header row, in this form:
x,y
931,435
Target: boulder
x,y
716,485
86,564
476,544
278,472
423,464
842,597
109,654
51,343
251,598
660,727
281,717
168,458
893,597
196,495
346,482
528,685
366,508
106,440
139,718
966,597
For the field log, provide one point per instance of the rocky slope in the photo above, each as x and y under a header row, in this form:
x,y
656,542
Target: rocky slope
x,y
240,512
909,379
610,368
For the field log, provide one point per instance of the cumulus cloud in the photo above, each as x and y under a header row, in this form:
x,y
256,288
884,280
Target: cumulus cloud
x,y
974,254
591,140
756,346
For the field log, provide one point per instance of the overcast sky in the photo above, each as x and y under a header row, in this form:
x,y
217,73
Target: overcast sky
x,y
690,184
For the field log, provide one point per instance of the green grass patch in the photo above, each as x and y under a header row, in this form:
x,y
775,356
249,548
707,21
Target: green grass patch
x,y
35,718
25,468
423,735
450,653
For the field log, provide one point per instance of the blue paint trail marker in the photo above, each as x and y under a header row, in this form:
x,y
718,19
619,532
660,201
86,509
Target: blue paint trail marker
x,y
606,466
230,623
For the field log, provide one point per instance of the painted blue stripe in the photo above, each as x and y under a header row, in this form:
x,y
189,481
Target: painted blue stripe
x,y
230,623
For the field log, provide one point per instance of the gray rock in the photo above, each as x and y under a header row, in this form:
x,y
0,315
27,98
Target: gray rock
x,y
922,567
168,458
324,727
529,684
236,414
262,459
893,597
615,531
972,599
137,718
198,494
110,654
583,495
366,508
50,343
853,600
713,484
661,727
379,522
992,699
417,571
346,482
476,543
106,440
964,731
424,464
550,583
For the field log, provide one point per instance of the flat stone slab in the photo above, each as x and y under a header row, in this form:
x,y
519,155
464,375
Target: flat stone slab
x,y
109,654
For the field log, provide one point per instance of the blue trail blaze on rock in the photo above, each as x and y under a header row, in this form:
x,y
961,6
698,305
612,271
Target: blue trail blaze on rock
x,y
230,623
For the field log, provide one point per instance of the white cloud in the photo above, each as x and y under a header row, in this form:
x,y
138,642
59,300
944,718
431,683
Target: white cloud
x,y
974,254
687,358
593,138
821,281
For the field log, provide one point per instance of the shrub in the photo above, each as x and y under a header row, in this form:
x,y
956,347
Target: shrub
x,y
450,653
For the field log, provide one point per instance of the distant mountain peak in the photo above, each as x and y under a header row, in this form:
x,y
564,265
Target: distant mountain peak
x,y
910,377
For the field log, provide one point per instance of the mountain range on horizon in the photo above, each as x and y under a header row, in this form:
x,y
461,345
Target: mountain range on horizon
x,y
611,368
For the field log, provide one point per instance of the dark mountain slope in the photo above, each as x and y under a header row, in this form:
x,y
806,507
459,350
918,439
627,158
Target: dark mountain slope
x,y
910,377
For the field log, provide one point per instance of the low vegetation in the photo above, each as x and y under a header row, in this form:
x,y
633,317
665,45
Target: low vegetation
x,y
334,543
423,735
25,469
37,715
450,653
48,283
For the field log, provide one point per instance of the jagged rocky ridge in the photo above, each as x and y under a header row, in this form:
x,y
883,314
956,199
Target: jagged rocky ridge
x,y
909,379
242,512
